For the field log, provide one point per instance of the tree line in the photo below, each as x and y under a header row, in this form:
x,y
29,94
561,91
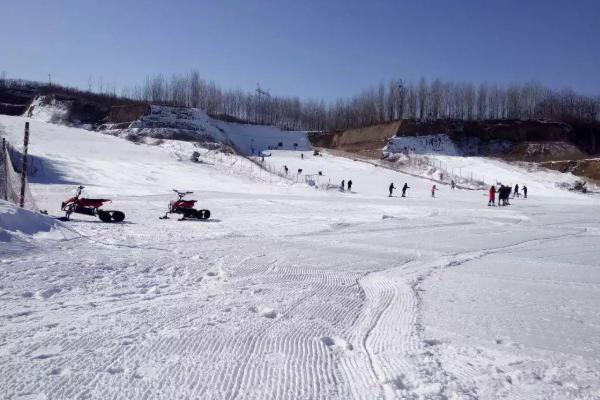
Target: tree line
x,y
390,101
387,102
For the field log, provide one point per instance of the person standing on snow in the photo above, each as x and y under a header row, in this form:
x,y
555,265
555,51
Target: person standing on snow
x,y
433,190
343,186
492,200
524,191
285,168
349,185
516,190
392,187
404,188
452,184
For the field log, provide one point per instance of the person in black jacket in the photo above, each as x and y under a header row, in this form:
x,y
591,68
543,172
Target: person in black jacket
x,y
392,187
404,188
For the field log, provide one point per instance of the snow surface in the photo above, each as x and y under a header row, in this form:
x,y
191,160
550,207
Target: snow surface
x,y
437,156
290,292
248,139
48,109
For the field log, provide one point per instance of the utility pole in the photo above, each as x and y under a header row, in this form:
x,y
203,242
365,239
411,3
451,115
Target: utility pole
x,y
49,79
24,165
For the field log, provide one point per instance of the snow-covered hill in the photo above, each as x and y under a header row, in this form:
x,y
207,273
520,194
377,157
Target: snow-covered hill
x,y
194,124
289,291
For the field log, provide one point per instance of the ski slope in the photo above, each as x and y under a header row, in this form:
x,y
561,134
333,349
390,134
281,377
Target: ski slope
x,y
291,292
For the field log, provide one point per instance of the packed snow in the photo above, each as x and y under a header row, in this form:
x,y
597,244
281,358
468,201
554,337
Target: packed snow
x,y
290,291
440,158
442,144
249,139
47,109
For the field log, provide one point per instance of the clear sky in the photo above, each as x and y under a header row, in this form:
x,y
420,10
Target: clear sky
x,y
312,49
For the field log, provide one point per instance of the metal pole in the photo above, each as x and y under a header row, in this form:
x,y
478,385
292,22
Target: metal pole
x,y
24,165
5,166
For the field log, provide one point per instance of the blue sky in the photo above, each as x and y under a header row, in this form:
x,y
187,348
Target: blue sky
x,y
307,48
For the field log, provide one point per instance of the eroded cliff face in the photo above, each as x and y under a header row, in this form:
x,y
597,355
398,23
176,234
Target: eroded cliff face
x,y
589,168
530,140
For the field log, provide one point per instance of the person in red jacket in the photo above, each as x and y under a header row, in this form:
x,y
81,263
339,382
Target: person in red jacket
x,y
492,201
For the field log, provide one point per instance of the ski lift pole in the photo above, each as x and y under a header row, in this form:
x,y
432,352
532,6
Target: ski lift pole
x,y
5,167
24,165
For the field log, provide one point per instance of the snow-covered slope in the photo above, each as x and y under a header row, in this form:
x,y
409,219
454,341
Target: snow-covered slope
x,y
17,223
47,109
440,158
288,291
195,124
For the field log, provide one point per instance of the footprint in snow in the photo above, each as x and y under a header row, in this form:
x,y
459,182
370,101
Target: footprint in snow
x,y
114,370
264,311
432,342
336,343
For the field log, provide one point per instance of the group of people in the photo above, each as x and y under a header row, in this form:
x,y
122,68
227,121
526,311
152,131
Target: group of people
x,y
343,185
504,193
404,189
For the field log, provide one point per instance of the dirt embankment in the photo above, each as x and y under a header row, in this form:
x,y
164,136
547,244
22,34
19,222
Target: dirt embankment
x,y
589,168
368,141
530,140
83,107
15,101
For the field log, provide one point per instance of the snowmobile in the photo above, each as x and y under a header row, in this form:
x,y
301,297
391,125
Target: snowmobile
x,y
77,204
185,208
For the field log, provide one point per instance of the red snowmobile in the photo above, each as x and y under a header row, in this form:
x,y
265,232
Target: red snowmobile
x,y
185,208
77,204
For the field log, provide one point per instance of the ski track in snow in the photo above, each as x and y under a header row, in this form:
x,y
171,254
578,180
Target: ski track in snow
x,y
292,293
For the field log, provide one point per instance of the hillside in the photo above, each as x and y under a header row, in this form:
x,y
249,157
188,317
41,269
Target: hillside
x,y
522,140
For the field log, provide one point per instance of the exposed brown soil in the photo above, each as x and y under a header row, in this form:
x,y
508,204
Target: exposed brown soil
x,y
589,168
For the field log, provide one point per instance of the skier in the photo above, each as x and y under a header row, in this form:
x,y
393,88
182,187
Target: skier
x,y
302,156
452,184
524,191
492,200
343,186
392,187
349,185
516,190
433,190
285,168
404,188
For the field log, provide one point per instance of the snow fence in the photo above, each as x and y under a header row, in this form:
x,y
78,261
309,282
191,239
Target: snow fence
x,y
10,180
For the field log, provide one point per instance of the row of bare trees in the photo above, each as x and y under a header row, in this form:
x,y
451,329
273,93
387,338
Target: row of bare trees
x,y
396,99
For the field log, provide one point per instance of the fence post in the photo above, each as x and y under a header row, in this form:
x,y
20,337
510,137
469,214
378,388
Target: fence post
x,y
5,166
24,165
